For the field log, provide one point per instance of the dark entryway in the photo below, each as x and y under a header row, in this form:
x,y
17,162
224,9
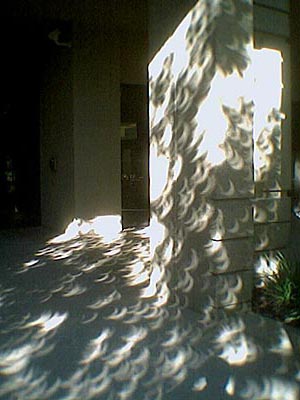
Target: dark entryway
x,y
23,50
135,158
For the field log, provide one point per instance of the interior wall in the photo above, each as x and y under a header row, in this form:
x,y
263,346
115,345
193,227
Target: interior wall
x,y
97,158
57,158
133,57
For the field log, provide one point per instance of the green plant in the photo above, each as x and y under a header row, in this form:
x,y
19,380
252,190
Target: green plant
x,y
282,289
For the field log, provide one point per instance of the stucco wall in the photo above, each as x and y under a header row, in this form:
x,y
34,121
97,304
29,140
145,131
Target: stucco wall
x,y
201,172
272,206
203,188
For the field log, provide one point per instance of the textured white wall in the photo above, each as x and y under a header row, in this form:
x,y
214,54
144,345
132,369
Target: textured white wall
x,y
202,185
201,171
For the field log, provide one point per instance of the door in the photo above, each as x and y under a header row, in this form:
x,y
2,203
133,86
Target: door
x,y
134,155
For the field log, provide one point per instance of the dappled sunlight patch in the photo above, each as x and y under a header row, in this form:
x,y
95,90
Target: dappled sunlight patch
x,y
71,232
14,361
156,232
30,263
137,274
230,330
105,300
159,173
118,314
97,347
75,290
201,140
108,314
29,385
200,384
228,290
216,250
47,322
266,265
263,240
271,388
123,344
107,227
284,345
226,92
239,352
230,387
268,117
155,278
236,348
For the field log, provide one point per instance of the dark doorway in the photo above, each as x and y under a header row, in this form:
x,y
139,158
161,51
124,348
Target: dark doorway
x,y
20,69
135,157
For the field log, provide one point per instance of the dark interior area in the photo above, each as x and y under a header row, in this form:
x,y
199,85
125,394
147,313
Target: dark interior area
x,y
22,57
134,155
26,52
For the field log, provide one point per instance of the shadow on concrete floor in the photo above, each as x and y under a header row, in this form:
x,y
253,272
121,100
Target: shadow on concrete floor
x,y
75,324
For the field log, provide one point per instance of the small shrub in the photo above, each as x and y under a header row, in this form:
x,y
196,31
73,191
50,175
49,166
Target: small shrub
x,y
280,295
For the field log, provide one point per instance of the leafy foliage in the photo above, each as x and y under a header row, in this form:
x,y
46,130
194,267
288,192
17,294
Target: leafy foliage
x,y
281,291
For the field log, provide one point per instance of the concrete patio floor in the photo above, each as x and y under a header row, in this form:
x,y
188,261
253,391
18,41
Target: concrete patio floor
x,y
75,324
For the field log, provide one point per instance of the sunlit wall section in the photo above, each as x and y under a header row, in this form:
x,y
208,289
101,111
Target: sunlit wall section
x,y
272,151
267,119
201,169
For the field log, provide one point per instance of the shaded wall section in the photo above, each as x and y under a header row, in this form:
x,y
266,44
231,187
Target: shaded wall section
x,y
57,157
21,60
295,41
272,16
133,57
81,114
97,166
